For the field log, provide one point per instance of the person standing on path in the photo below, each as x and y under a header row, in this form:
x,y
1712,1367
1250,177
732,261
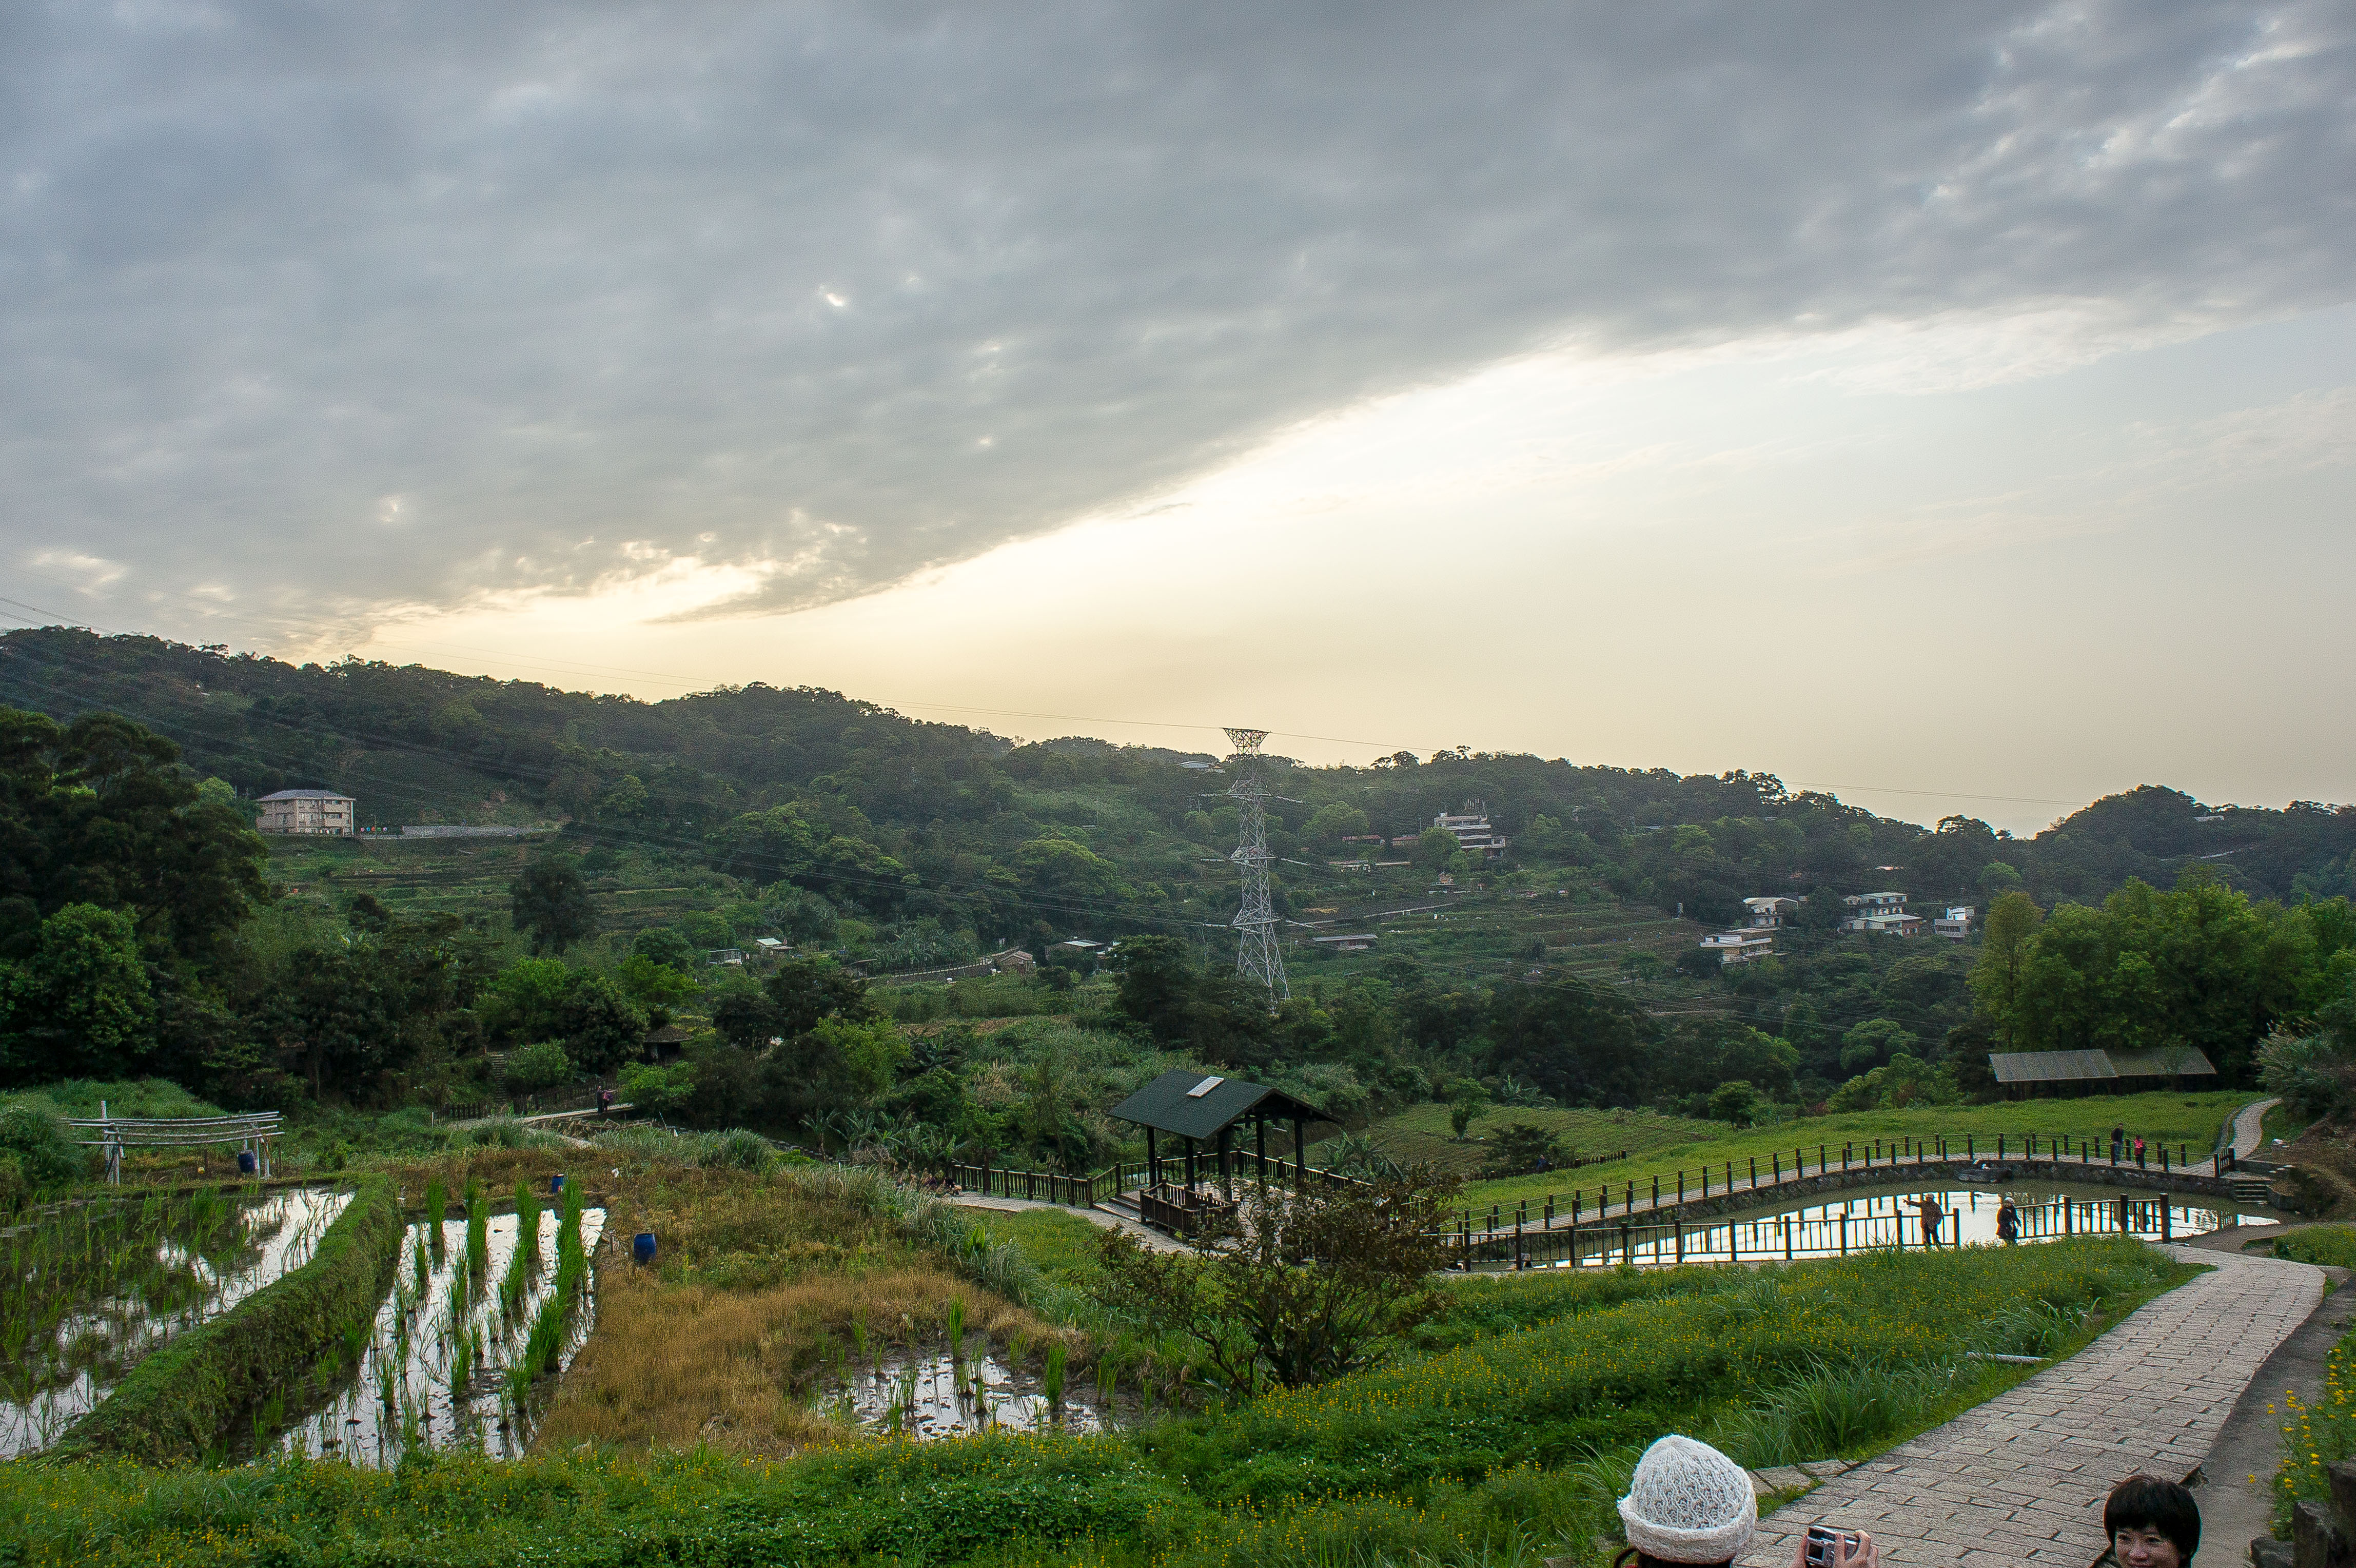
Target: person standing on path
x,y
2138,1151
1931,1215
2008,1223
2118,1144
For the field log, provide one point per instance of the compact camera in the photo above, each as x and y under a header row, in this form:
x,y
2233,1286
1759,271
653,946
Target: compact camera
x,y
1825,1546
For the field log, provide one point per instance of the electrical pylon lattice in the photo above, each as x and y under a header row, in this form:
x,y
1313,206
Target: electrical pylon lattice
x,y
1258,960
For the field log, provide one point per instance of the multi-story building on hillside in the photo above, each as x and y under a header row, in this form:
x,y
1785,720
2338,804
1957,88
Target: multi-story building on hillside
x,y
1471,826
1740,947
1766,914
305,812
1880,913
1956,925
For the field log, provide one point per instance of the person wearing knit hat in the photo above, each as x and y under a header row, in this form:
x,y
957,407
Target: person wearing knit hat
x,y
1687,1503
1690,1504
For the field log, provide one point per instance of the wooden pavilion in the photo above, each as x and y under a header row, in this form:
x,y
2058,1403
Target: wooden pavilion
x,y
1201,1110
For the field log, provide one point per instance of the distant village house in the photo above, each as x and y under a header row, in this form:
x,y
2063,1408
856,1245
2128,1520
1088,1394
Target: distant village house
x,y
305,812
1883,914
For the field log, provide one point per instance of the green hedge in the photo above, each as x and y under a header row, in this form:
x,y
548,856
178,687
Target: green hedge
x,y
180,1404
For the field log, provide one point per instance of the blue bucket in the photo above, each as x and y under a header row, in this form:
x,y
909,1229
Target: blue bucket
x,y
642,1246
556,1184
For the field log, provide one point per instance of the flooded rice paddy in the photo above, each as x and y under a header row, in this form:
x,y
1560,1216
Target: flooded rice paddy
x,y
88,1294
937,1395
436,1370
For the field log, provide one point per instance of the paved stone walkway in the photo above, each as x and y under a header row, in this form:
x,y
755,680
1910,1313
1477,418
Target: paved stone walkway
x,y
2021,1478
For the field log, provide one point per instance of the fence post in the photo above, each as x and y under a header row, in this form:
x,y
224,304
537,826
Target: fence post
x,y
2167,1211
1844,1232
1549,1211
1787,1237
1754,1173
1657,1192
1681,1184
1820,1159
1778,1157
1704,1178
1681,1241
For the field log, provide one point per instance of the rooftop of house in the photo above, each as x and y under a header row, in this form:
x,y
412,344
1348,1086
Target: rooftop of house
x,y
303,795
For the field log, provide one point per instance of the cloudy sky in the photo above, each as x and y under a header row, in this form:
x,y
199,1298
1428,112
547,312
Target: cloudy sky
x,y
1954,404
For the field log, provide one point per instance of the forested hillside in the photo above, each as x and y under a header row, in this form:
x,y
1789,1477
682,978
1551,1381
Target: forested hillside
x,y
145,929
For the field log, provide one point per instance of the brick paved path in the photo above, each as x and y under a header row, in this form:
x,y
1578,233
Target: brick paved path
x,y
2021,1478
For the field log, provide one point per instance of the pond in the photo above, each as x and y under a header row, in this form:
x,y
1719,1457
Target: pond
x,y
89,1293
1832,1226
436,1370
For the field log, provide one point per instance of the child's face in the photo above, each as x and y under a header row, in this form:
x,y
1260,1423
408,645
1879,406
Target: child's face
x,y
2139,1548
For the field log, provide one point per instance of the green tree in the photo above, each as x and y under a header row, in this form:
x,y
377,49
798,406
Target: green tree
x,y
1435,848
1469,1101
1872,1043
665,946
1331,823
1737,1102
552,903
78,1004
2006,937
537,1067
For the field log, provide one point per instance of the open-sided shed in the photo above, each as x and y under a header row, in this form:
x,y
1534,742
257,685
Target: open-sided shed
x,y
1204,1108
2023,1073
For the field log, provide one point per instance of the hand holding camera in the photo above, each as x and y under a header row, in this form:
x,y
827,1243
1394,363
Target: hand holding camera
x,y
1824,1547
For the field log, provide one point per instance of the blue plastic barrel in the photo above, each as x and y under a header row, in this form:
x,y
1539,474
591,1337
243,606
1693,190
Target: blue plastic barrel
x,y
642,1246
556,1182
246,1163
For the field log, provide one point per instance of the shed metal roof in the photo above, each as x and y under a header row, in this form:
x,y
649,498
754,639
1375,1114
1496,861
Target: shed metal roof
x,y
2050,1067
2179,1060
2080,1067
1197,1105
306,795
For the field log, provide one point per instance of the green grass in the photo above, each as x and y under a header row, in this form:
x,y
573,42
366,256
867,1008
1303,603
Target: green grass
x,y
1503,1436
133,1097
2315,1436
2334,1246
2188,1119
2282,1123
1062,1247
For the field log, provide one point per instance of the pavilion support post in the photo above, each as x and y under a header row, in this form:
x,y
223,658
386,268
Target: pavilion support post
x,y
1259,1152
1153,1160
1299,1157
1192,1170
1226,1165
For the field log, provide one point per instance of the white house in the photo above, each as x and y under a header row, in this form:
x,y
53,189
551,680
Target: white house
x,y
305,811
1471,826
1766,914
1956,924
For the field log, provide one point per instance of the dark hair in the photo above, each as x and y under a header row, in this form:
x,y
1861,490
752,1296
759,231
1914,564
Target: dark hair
x,y
1631,1554
2147,1502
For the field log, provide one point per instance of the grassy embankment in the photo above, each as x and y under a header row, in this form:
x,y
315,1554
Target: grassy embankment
x,y
1502,1435
2315,1436
1662,1146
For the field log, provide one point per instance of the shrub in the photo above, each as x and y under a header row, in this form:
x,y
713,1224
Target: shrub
x,y
537,1067
47,1154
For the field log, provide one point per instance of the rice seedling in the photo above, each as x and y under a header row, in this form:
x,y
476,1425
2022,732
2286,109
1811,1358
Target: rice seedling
x,y
437,1209
478,1233
527,1219
1053,1381
421,1267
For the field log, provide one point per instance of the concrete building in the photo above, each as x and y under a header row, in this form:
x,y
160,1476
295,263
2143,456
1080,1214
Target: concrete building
x,y
1740,947
1882,914
305,812
1956,924
1766,914
1471,826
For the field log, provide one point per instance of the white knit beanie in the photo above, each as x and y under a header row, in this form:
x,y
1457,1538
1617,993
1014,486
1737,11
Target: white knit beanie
x,y
1689,1503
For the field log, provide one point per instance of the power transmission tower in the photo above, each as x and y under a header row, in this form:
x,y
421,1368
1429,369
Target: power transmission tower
x,y
1258,958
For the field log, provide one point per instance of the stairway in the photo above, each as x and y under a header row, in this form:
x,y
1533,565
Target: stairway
x,y
2250,1189
1121,1205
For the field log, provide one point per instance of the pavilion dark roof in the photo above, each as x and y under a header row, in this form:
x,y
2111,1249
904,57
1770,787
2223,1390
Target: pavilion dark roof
x,y
2079,1067
1169,1104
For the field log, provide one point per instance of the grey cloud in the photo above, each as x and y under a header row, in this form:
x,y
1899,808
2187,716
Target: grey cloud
x,y
565,272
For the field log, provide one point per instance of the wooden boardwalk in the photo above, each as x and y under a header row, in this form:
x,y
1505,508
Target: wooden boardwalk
x,y
2021,1478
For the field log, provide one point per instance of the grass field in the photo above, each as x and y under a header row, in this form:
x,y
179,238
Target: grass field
x,y
1662,1146
1501,1440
